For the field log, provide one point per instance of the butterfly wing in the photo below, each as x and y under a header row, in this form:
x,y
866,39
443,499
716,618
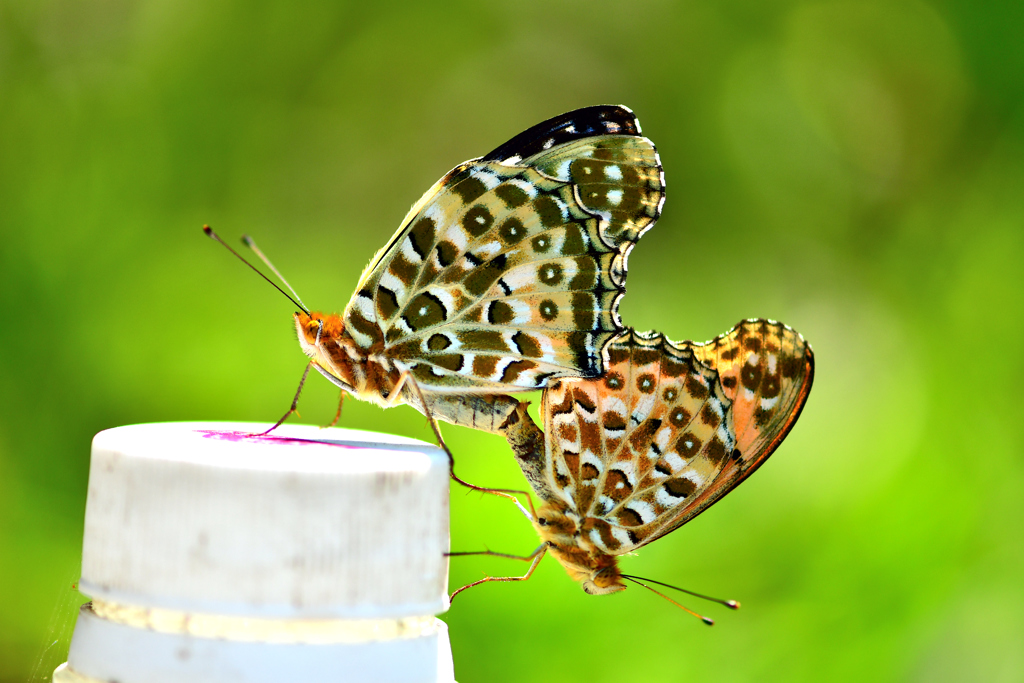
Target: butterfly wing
x,y
766,370
630,449
509,270
663,435
573,125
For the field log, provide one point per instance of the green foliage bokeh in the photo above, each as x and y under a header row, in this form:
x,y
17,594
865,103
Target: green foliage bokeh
x,y
855,169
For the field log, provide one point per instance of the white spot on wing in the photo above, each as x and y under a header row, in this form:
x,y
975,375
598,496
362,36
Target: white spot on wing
x,y
662,436
401,324
487,250
363,339
570,447
562,170
529,188
589,457
666,499
615,404
613,172
434,213
693,476
389,281
409,253
674,461
364,306
561,418
621,535
642,508
614,197
569,494
457,236
489,179
523,277
725,436
716,406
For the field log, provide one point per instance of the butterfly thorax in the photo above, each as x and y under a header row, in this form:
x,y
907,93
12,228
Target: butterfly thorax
x,y
596,571
364,372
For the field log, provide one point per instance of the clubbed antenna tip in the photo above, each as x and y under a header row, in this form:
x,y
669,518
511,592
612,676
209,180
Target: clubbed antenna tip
x,y
214,236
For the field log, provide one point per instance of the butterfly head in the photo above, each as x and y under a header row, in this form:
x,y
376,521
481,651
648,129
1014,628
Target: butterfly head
x,y
596,571
604,580
324,339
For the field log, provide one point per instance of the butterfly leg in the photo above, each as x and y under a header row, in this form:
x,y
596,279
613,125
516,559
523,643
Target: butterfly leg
x,y
406,379
534,558
337,416
295,402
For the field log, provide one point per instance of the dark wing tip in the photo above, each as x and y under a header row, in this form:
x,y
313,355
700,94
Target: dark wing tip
x,y
602,119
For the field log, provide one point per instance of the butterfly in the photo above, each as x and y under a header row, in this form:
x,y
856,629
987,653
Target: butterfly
x,y
504,276
666,432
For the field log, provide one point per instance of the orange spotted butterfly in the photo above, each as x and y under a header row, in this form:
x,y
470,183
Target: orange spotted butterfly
x,y
666,432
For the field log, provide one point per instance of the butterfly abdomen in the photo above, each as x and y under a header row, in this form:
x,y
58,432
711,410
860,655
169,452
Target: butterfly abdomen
x,y
486,412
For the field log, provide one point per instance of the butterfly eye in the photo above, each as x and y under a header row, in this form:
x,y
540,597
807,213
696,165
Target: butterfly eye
x,y
542,521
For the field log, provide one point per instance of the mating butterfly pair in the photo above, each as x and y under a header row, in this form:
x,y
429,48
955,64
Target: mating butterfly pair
x,y
506,277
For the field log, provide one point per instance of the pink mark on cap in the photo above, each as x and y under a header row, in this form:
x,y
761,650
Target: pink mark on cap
x,y
237,437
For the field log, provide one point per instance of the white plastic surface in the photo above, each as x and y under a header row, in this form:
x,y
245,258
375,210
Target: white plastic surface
x,y
105,651
216,556
306,522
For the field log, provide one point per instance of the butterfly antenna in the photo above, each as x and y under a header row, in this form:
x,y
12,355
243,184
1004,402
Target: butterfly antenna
x,y
707,620
214,236
731,604
248,241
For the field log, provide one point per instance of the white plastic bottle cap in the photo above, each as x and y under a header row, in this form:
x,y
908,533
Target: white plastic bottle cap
x,y
204,543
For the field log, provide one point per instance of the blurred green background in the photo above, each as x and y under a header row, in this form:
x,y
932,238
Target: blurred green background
x,y
855,169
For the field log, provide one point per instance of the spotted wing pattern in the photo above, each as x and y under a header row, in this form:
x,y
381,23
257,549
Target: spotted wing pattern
x,y
654,442
766,370
509,270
